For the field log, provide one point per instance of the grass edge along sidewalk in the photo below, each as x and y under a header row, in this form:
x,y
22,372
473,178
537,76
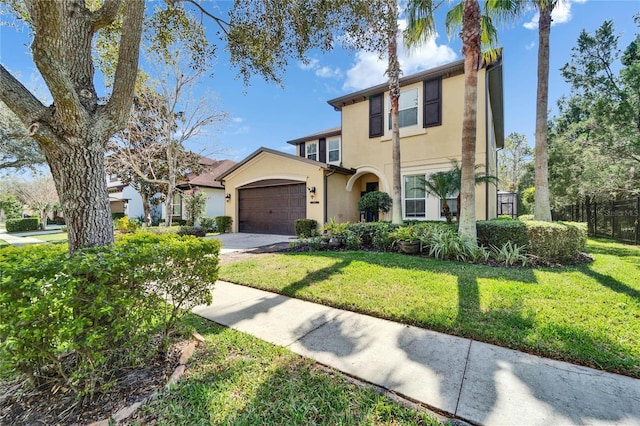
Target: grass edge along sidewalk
x,y
587,314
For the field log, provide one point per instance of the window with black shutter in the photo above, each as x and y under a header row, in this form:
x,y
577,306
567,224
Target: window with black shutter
x,y
303,150
376,115
432,111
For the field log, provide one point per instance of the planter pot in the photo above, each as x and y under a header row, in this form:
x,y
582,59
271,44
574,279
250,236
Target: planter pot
x,y
409,247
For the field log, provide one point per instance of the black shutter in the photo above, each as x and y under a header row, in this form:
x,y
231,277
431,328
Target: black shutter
x,y
432,107
376,115
322,150
302,151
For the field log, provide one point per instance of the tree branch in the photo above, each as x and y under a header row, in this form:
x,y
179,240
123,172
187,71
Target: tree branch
x,y
221,22
48,55
119,106
104,16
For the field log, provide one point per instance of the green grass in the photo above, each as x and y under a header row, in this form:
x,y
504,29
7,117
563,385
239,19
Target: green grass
x,y
59,237
241,380
588,314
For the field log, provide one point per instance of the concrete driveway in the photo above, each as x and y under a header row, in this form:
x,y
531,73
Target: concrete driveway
x,y
239,242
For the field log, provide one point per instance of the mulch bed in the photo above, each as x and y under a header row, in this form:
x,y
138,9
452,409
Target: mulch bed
x,y
21,404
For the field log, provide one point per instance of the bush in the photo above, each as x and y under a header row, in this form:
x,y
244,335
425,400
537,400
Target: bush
x,y
525,217
21,225
208,224
127,225
306,228
77,320
116,216
196,231
498,232
556,242
223,223
375,202
445,243
163,230
374,235
11,206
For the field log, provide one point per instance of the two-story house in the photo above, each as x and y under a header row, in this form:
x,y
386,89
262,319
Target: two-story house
x,y
269,190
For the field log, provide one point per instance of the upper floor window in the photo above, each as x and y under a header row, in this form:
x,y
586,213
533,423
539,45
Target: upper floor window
x,y
415,197
333,150
312,151
407,108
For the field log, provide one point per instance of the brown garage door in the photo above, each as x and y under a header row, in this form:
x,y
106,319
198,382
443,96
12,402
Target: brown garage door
x,y
271,209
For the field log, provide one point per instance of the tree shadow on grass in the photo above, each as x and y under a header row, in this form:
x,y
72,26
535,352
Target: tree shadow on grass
x,y
612,283
315,277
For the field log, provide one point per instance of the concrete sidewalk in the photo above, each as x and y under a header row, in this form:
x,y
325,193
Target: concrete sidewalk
x,y
18,240
474,381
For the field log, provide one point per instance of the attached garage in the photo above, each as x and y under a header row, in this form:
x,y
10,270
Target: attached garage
x,y
271,206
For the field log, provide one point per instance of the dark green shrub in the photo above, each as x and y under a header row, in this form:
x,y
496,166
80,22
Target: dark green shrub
x,y
375,202
208,224
196,231
498,232
306,228
116,216
78,320
223,223
22,225
374,235
556,242
179,222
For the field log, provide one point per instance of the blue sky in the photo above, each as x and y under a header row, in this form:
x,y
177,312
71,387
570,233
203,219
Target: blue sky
x,y
264,114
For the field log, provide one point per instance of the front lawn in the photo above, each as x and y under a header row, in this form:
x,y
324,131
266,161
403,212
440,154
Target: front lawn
x,y
239,379
58,237
588,314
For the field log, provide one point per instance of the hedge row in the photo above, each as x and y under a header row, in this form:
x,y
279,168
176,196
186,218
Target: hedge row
x,y
22,225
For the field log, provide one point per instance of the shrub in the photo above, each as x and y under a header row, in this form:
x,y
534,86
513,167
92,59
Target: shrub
x,y
77,320
163,230
306,228
556,242
374,235
223,223
195,204
127,225
375,202
510,254
208,224
498,232
335,229
525,217
196,231
21,225
11,206
116,216
445,243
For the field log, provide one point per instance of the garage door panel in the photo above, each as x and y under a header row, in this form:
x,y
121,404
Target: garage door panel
x,y
271,209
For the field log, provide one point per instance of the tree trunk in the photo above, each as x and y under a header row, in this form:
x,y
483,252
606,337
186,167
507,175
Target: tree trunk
x,y
81,182
146,208
542,206
394,94
471,50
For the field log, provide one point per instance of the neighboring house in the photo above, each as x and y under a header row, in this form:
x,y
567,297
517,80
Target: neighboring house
x,y
124,199
332,169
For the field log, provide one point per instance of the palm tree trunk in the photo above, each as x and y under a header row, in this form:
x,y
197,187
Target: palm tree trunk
x,y
470,35
394,94
542,207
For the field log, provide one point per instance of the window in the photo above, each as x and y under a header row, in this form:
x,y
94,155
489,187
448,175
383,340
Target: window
x,y
334,150
376,115
176,206
432,108
415,202
407,109
312,151
453,206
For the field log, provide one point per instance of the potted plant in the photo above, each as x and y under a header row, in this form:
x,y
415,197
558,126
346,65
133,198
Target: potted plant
x,y
335,231
406,239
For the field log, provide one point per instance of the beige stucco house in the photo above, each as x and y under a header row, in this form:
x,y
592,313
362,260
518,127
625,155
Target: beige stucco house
x,y
269,190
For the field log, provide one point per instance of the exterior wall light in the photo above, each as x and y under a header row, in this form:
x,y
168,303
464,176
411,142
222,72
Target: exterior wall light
x,y
312,189
227,197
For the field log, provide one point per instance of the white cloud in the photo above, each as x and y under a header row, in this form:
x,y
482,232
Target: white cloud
x,y
312,64
237,120
328,72
369,69
530,45
561,14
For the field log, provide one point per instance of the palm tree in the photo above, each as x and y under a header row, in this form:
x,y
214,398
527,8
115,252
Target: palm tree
x,y
542,208
447,183
393,72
